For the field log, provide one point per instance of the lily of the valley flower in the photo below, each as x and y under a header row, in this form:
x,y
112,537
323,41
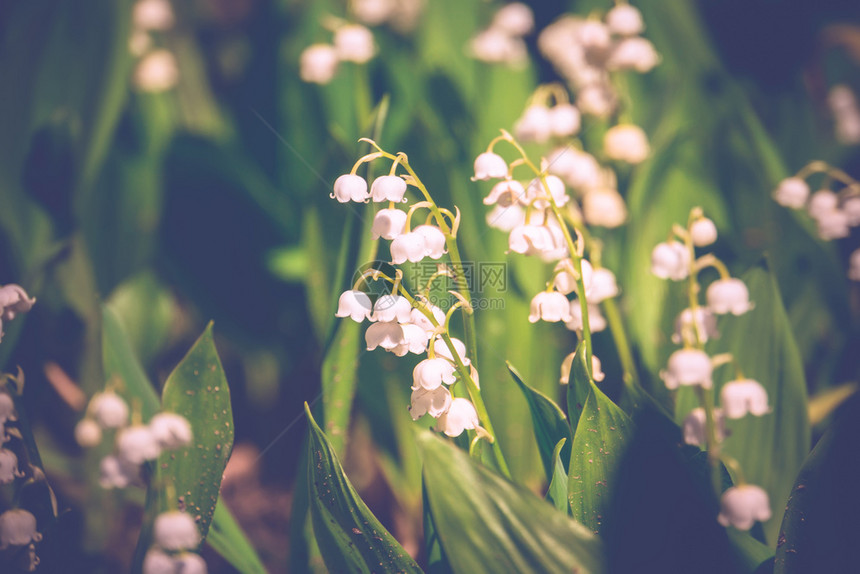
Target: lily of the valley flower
x,y
550,306
137,444
14,300
626,142
534,125
415,340
355,305
175,530
408,246
8,466
350,187
388,335
318,64
530,239
429,374
596,320
703,232
418,318
434,240
537,193
170,430
565,120
18,528
688,367
792,192
117,473
566,365
388,188
636,54
506,218
685,328
625,20
109,410
433,402
604,207
823,202
354,43
506,193
88,433
565,282
158,562
388,223
460,416
603,285
728,296
577,168
741,506
694,426
390,308
745,396
670,260
489,165
441,349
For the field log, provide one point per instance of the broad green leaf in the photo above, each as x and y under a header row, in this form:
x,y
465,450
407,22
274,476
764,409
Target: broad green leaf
x,y
819,530
228,540
578,387
487,524
770,448
822,404
599,442
349,535
557,491
550,425
121,363
318,283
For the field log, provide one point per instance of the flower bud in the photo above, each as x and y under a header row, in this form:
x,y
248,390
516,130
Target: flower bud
x,y
792,192
18,528
109,410
430,373
349,187
515,19
703,232
688,367
670,260
318,64
8,466
171,430
728,296
388,223
156,72
565,120
461,415
385,335
549,306
604,208
136,444
355,305
741,506
175,530
625,20
408,247
626,142
388,188
354,43
433,402
489,165
392,308
152,15
88,433
742,397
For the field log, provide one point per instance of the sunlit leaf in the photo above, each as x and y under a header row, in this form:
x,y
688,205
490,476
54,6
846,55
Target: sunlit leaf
x,y
557,491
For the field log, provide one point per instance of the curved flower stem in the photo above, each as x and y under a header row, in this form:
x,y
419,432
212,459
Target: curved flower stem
x,y
707,400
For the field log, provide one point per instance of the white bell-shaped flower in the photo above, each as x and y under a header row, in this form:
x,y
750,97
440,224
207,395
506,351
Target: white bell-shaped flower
x,y
549,306
703,232
579,169
792,192
318,64
433,402
137,444
506,218
515,19
670,260
349,187
430,373
408,247
530,239
595,100
109,410
190,563
117,473
565,282
434,240
8,466
705,321
489,165
440,348
741,506
355,305
14,300
175,530
603,285
851,209
385,335
742,397
537,193
7,408
636,54
625,20
833,225
171,430
593,35
354,43
854,265
496,46
373,12
695,426
418,318
158,562
823,202
388,223
604,207
506,193
688,367
596,320
728,296
558,246
88,433
535,125
597,369
565,120
18,528
460,416
415,340
626,142
388,188
392,308
152,15
156,72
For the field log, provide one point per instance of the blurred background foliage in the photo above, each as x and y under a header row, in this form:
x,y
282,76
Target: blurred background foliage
x,y
210,201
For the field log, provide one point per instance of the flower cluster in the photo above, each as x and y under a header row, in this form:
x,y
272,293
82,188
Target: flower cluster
x,y
691,366
13,300
403,324
351,42
175,537
502,42
402,15
18,538
134,444
587,51
834,212
157,70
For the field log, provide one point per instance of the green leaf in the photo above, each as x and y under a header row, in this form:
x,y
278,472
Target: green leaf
x,y
598,444
349,535
487,524
550,425
557,491
578,387
819,530
770,448
228,540
120,362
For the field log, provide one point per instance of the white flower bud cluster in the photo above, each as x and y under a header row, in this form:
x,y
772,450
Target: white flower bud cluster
x,y
176,537
586,51
835,213
13,300
502,42
318,63
846,114
134,444
156,70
